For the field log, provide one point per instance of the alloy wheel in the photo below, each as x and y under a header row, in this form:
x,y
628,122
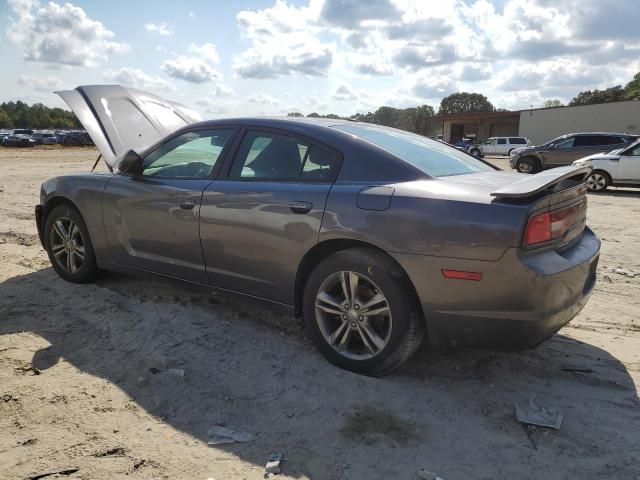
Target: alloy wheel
x,y
67,244
596,182
353,315
525,166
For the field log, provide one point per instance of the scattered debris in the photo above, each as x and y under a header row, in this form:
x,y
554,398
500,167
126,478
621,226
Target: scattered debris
x,y
626,273
272,466
112,452
427,475
24,370
29,441
219,435
607,279
68,471
532,414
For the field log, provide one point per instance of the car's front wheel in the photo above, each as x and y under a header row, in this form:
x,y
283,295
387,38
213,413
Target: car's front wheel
x,y
475,152
598,181
69,246
528,165
360,312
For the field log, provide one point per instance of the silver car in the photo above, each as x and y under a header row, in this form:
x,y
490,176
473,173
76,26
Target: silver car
x,y
376,237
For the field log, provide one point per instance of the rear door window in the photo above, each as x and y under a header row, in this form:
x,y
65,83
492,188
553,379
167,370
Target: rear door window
x,y
596,140
272,156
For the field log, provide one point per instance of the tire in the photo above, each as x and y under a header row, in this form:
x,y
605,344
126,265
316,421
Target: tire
x,y
399,327
69,246
475,152
598,181
509,152
528,164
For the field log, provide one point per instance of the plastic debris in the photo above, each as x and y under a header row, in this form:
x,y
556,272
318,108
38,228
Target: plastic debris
x,y
427,475
532,414
273,465
219,435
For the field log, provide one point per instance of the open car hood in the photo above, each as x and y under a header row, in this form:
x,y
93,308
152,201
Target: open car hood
x,y
119,119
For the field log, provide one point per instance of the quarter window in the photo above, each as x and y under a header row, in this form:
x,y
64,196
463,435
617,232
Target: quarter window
x,y
190,155
270,156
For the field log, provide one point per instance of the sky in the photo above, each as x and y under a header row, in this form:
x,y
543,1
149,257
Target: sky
x,y
271,57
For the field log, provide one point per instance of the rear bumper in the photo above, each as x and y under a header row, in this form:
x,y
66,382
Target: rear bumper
x,y
522,299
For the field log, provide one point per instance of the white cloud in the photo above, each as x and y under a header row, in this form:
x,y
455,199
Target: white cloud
x,y
263,98
223,91
344,94
283,43
40,84
162,28
134,77
197,66
60,34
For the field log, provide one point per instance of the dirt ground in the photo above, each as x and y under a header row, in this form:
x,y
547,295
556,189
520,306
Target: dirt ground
x,y
126,377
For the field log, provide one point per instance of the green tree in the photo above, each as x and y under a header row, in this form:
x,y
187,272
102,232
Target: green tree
x,y
632,89
5,119
591,97
314,115
294,114
553,104
465,102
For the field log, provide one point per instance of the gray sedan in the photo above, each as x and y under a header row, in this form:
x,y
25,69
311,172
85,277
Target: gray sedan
x,y
376,237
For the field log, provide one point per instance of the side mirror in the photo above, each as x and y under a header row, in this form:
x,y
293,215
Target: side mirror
x,y
131,163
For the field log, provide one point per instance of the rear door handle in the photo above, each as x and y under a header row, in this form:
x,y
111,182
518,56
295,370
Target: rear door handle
x,y
187,204
301,207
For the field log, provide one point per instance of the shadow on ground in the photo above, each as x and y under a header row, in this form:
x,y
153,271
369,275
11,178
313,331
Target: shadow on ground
x,y
449,412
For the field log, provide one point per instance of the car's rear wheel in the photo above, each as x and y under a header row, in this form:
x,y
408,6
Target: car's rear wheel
x,y
69,246
361,313
598,181
528,165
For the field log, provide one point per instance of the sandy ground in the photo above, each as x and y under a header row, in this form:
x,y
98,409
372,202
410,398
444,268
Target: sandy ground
x,y
91,383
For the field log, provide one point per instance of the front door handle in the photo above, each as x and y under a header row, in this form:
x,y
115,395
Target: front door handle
x,y
301,207
614,159
187,204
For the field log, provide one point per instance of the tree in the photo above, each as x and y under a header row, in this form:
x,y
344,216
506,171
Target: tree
x,y
294,114
5,119
465,102
632,89
553,104
589,97
314,115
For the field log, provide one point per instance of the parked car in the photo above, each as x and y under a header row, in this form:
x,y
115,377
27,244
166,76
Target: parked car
x,y
22,131
77,139
618,168
565,150
44,137
18,141
499,146
3,135
376,237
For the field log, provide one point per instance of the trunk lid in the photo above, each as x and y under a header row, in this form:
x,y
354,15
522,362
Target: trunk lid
x,y
119,119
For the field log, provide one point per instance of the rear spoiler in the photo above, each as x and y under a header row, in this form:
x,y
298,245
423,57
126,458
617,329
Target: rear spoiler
x,y
531,185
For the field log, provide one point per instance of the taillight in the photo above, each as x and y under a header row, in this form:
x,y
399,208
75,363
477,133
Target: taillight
x,y
548,226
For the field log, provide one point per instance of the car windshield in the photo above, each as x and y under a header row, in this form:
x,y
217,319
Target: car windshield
x,y
432,157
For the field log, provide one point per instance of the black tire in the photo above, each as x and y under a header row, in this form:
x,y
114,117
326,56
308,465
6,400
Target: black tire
x,y
475,152
598,181
87,269
406,326
509,152
529,164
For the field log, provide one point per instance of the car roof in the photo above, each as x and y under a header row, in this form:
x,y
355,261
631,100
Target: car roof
x,y
297,123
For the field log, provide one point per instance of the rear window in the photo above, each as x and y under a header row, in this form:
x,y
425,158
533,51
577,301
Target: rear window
x,y
432,157
517,141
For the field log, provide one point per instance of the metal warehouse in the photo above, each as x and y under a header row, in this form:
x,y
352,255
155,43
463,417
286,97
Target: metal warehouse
x,y
541,124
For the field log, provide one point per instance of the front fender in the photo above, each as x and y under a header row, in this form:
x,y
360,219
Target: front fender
x,y
84,192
